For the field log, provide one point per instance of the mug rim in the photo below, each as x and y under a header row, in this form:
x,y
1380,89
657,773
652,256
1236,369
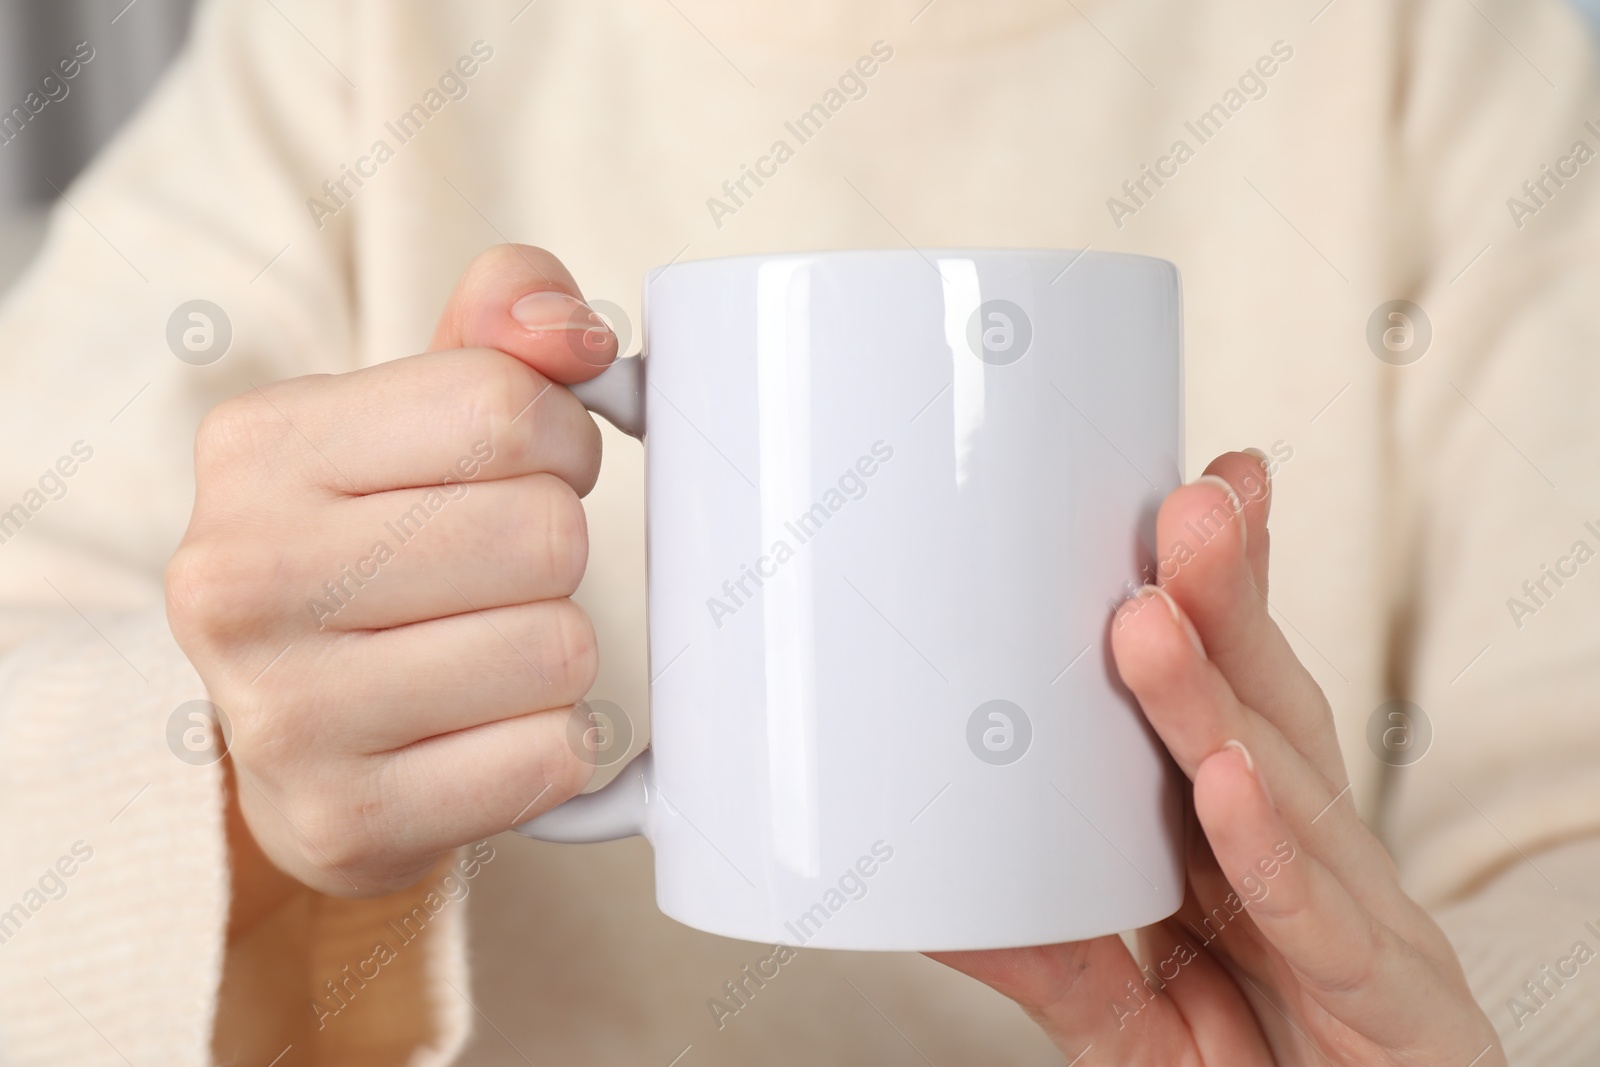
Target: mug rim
x,y
948,251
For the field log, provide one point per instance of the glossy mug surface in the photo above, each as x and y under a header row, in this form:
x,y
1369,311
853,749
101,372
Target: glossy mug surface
x,y
893,499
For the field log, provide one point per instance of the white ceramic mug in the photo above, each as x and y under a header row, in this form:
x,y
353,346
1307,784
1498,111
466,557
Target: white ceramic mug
x,y
893,498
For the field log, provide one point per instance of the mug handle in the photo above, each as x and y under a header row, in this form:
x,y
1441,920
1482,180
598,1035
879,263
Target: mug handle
x,y
617,809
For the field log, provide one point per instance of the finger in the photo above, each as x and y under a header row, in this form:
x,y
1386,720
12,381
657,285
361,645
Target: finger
x,y
396,558
1084,993
484,780
1242,478
1194,711
1178,965
421,421
502,663
1206,529
1207,891
1185,698
1246,474
445,791
522,301
1348,961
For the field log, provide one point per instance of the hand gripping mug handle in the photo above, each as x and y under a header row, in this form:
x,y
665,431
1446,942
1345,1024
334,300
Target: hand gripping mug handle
x,y
619,808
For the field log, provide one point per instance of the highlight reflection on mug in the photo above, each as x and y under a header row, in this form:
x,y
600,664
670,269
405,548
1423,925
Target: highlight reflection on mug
x,y
999,732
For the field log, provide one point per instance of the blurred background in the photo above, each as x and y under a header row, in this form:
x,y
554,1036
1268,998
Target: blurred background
x,y
133,43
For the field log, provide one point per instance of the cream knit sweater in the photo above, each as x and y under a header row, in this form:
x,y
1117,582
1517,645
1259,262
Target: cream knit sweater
x,y
1302,161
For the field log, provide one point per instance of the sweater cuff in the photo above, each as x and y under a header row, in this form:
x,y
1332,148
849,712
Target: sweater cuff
x,y
115,892
120,958
366,983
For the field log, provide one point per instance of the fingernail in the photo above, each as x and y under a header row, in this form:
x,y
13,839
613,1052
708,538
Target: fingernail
x,y
1250,762
551,310
1233,502
1258,489
1177,614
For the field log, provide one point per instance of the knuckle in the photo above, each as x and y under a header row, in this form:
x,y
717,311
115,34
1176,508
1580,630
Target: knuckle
x,y
574,648
200,589
220,431
331,843
588,450
335,835
187,586
570,774
560,767
1354,969
236,430
507,257
530,422
222,592
561,546
507,389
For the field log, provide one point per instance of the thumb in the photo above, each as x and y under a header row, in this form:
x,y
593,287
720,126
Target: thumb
x,y
522,301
